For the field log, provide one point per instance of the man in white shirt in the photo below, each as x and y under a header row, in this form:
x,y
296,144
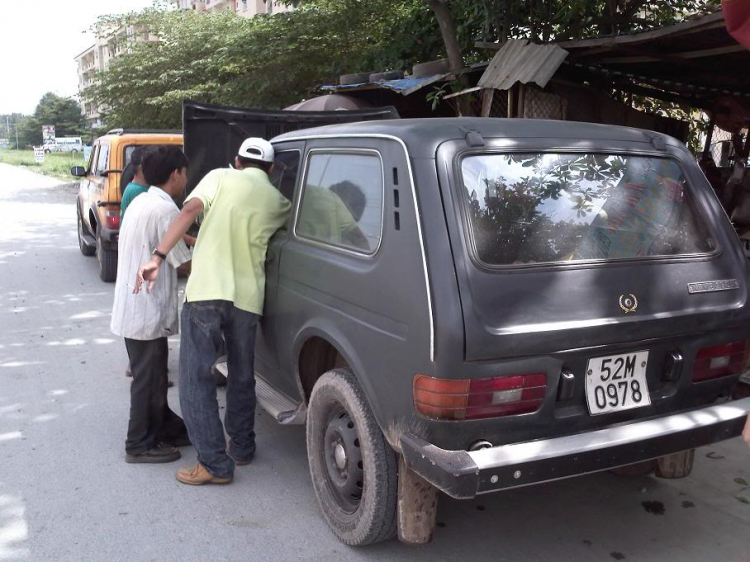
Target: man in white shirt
x,y
147,320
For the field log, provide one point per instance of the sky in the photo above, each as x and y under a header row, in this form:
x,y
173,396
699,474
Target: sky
x,y
40,40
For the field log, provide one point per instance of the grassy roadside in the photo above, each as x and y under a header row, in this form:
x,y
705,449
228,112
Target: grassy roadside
x,y
55,165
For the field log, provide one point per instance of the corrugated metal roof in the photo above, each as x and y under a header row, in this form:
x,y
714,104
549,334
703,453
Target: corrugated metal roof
x,y
521,61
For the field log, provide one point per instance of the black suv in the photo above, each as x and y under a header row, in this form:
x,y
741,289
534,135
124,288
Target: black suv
x,y
472,305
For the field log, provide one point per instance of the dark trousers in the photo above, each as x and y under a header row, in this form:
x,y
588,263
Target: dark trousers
x,y
151,420
203,323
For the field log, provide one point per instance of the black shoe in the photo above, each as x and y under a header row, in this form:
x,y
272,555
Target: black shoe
x,y
159,454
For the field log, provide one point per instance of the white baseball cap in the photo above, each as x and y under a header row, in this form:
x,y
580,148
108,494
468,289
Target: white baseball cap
x,y
256,148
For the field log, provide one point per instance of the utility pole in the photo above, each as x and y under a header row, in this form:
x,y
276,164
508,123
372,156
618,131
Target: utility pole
x,y
16,124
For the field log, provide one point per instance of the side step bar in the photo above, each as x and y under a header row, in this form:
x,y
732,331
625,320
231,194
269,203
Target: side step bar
x,y
283,409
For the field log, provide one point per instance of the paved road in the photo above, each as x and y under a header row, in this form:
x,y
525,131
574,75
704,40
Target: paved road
x,y
67,494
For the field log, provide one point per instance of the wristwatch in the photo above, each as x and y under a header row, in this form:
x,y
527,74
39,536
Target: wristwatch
x,y
159,255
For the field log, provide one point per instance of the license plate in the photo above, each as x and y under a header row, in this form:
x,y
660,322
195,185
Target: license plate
x,y
617,382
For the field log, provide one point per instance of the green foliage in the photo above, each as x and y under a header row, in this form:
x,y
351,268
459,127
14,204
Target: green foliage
x,y
8,123
64,113
576,19
274,60
268,61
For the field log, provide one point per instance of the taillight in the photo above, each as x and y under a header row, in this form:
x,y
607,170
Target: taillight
x,y
721,361
112,219
464,399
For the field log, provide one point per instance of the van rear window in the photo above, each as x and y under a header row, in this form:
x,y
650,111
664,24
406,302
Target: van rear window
x,y
558,207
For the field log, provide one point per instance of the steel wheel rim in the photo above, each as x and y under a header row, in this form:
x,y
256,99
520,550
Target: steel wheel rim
x,y
342,460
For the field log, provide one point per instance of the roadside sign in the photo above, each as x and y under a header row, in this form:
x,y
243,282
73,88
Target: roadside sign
x,y
48,134
39,154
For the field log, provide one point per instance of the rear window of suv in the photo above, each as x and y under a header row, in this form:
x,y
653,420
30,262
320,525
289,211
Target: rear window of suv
x,y
536,208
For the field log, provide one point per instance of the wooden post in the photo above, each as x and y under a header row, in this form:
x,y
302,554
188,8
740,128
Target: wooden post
x,y
417,506
521,100
709,135
487,96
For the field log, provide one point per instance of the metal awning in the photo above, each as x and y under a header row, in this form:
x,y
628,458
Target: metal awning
x,y
521,61
403,86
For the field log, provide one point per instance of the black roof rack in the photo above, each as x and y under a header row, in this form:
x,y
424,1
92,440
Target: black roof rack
x,y
122,131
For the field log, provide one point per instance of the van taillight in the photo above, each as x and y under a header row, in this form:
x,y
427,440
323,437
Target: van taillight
x,y
721,361
464,399
112,218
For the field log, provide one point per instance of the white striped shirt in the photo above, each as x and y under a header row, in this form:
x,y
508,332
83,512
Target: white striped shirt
x,y
147,316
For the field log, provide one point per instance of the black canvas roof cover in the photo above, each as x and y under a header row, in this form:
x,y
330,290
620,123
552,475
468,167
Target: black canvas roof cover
x,y
213,133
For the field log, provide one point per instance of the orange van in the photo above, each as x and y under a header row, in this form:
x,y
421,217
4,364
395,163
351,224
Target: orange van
x,y
100,192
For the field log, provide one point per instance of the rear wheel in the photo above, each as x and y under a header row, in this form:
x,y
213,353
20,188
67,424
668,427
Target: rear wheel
x,y
86,248
354,471
107,261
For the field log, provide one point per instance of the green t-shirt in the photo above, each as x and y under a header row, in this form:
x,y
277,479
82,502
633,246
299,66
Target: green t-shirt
x,y
132,191
241,211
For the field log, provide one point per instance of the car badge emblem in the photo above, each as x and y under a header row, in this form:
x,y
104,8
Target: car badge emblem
x,y
713,286
628,303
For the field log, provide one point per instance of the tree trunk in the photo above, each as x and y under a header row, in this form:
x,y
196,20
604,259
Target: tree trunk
x,y
450,38
448,31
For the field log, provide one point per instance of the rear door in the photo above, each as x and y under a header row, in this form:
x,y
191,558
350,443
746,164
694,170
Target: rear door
x,y
98,184
85,190
581,264
564,248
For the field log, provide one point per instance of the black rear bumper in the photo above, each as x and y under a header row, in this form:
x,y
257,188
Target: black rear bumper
x,y
465,474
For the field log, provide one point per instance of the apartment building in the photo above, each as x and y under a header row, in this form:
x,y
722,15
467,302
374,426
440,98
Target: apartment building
x,y
244,8
109,45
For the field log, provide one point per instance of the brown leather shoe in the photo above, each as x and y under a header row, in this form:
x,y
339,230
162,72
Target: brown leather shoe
x,y
198,475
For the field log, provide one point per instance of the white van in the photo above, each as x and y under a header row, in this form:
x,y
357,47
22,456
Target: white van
x,y
65,144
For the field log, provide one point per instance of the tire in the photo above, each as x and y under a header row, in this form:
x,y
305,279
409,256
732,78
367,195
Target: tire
x,y
339,419
86,249
349,79
389,75
107,262
431,68
47,151
74,151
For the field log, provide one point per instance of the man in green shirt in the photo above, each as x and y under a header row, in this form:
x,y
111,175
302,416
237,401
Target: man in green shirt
x,y
223,298
138,186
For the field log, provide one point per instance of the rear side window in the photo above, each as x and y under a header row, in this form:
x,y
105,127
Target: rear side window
x,y
557,207
92,159
129,149
285,171
342,200
102,159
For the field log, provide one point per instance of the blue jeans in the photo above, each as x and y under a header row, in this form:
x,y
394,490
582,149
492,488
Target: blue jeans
x,y
203,323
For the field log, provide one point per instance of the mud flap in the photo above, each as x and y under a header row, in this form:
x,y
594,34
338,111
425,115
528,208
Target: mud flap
x,y
417,506
677,465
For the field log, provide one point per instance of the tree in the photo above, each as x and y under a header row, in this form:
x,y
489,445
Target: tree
x,y
8,126
64,113
267,61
